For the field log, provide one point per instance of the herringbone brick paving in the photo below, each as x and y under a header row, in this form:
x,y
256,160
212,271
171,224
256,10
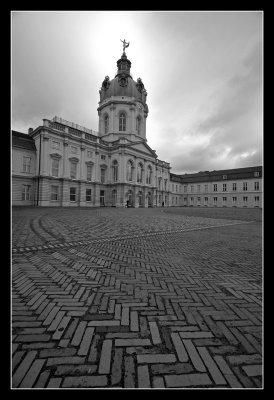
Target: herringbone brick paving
x,y
136,299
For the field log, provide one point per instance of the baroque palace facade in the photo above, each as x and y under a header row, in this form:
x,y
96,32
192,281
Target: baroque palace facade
x,y
63,164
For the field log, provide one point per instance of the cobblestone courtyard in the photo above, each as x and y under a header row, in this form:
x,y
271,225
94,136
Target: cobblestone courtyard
x,y
136,298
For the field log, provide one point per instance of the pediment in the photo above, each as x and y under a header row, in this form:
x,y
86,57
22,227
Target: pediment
x,y
143,148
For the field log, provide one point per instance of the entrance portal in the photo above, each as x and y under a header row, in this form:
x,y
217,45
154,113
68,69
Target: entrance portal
x,y
130,198
149,199
114,198
140,199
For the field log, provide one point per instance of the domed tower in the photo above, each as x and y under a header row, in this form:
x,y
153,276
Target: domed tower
x,y
122,108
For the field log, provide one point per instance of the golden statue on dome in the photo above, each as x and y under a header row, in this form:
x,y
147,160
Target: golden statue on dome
x,y
125,44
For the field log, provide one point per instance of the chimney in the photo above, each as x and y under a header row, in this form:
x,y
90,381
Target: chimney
x,y
30,130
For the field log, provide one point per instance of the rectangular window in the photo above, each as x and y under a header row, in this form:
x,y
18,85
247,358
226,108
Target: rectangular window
x,y
206,188
234,187
72,194
215,199
103,175
55,145
245,186
103,157
256,185
73,170
234,201
165,183
26,164
176,188
198,188
257,199
185,200
159,183
89,172
89,153
224,176
88,194
256,174
224,187
185,189
198,201
206,201
245,200
102,197
176,200
224,201
54,193
192,188
26,192
172,187
55,167
191,201
215,187
73,149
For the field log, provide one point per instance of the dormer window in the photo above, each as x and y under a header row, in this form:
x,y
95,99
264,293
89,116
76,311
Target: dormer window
x,y
122,122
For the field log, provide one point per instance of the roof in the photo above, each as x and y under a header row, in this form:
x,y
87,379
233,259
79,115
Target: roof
x,y
210,176
23,141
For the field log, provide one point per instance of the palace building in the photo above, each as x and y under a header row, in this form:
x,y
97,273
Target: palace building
x,y
61,163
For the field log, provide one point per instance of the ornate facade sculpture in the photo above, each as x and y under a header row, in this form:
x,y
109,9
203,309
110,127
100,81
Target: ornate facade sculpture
x,y
140,85
106,83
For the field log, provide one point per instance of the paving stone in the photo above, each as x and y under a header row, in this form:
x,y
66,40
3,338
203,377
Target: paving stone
x,y
156,358
132,342
187,380
179,347
65,360
116,370
143,377
85,381
253,370
129,376
105,359
86,341
178,368
85,369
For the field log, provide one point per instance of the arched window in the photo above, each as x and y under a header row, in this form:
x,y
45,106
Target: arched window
x,y
122,122
149,175
129,170
138,125
140,173
115,170
106,123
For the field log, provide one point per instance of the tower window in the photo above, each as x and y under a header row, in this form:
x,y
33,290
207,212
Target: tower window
x,y
122,122
106,123
138,125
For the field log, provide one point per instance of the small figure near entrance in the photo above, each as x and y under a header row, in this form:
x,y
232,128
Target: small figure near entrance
x,y
127,204
163,204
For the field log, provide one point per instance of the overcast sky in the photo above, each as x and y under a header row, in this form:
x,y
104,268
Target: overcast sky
x,y
202,72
